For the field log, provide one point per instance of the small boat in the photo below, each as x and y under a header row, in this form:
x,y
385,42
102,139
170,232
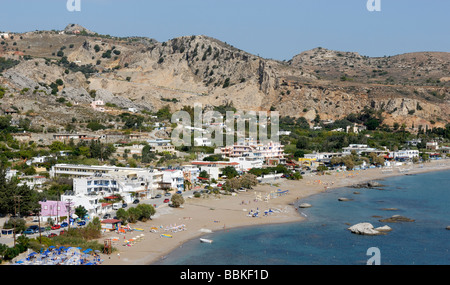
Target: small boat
x,y
206,240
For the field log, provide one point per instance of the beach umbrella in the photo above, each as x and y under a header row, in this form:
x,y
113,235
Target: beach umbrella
x,y
31,254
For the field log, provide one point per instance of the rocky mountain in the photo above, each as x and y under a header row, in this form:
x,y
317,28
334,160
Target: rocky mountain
x,y
55,75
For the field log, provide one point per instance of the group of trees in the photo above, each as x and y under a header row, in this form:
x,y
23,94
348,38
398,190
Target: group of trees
x,y
14,199
246,180
279,169
141,212
94,149
350,161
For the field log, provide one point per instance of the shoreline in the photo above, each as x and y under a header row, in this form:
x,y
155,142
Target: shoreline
x,y
219,212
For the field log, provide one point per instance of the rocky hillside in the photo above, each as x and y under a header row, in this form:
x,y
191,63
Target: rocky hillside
x,y
54,75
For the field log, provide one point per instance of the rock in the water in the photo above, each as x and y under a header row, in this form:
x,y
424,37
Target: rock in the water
x,y
364,229
344,199
305,205
373,184
396,219
384,229
370,184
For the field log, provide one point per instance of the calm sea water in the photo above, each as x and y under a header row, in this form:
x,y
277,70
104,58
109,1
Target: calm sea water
x,y
323,239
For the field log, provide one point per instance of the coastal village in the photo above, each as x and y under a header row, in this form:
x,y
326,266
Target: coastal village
x,y
102,190
89,176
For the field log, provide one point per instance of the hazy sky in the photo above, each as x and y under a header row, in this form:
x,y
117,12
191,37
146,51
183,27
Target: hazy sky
x,y
272,29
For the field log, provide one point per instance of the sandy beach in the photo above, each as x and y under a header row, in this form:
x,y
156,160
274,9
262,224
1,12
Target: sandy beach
x,y
221,212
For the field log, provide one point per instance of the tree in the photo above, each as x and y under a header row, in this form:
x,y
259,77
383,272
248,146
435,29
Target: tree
x,y
214,157
348,162
177,200
11,195
295,176
5,122
226,83
147,155
230,172
146,211
322,168
80,211
17,223
232,184
134,213
372,124
302,143
164,113
204,174
122,215
248,180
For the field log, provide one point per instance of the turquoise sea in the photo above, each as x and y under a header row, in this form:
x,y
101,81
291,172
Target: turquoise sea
x,y
323,238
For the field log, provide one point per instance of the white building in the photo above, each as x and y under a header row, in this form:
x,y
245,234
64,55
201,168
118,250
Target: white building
x,y
160,145
129,150
214,168
355,128
408,154
90,203
248,161
284,133
271,152
98,105
202,142
432,145
358,148
321,156
102,181
174,178
191,173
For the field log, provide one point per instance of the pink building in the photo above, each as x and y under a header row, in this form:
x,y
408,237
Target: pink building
x,y
54,210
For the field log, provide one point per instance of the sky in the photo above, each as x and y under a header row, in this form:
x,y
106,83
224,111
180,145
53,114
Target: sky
x,y
268,28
